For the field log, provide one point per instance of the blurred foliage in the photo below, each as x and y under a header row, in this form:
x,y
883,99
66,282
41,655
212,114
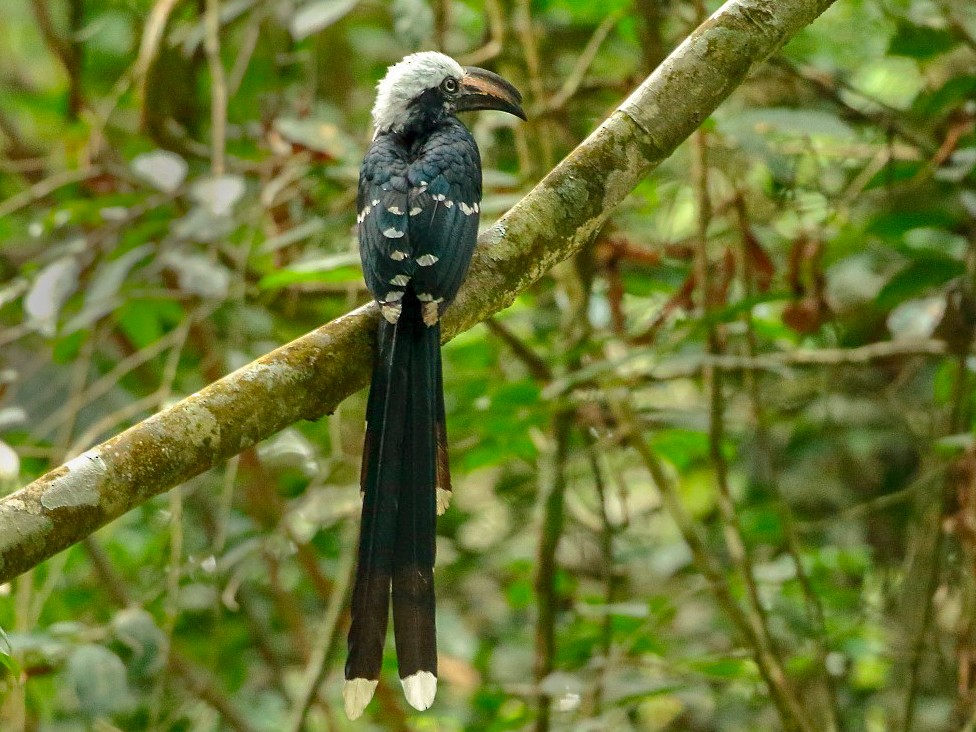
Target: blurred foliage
x,y
177,186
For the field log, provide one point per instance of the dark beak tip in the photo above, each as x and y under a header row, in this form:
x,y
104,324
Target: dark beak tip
x,y
492,91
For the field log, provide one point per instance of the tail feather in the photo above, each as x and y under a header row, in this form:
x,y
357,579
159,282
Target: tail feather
x,y
379,479
413,570
443,483
402,465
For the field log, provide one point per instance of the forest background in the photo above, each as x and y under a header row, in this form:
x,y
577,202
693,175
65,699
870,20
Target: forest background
x,y
715,472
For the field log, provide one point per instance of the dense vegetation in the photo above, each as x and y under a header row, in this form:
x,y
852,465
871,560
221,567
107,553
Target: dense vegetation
x,y
715,473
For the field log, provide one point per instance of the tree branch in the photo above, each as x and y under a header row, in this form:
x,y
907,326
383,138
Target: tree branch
x,y
311,375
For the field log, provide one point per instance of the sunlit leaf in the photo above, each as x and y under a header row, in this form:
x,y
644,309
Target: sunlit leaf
x,y
104,286
317,15
9,465
335,268
163,169
51,289
198,274
725,668
316,135
218,195
916,318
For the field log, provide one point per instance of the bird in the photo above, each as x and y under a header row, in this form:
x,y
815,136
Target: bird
x,y
418,203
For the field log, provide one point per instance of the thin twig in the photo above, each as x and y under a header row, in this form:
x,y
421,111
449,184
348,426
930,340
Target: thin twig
x,y
768,663
218,87
496,40
643,364
607,563
46,187
245,51
316,668
64,49
583,63
770,480
545,574
933,537
106,383
536,366
174,570
201,685
525,29
793,716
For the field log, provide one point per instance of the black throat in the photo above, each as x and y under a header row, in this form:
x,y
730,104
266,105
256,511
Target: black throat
x,y
425,113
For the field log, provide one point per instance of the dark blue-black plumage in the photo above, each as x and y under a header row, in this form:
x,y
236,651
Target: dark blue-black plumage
x,y
418,211
419,196
419,201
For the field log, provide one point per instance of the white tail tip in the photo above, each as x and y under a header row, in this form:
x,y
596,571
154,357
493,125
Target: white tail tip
x,y
356,694
420,688
443,501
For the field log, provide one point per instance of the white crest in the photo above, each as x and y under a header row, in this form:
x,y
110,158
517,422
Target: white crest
x,y
406,80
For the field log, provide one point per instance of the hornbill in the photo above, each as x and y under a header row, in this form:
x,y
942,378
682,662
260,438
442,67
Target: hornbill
x,y
419,202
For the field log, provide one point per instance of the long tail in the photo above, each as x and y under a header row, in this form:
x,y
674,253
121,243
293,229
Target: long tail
x,y
402,466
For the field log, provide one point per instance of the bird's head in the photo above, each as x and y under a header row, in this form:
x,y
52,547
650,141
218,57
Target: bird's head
x,y
425,87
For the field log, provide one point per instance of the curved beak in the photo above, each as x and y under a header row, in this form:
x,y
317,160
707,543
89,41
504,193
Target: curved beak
x,y
483,89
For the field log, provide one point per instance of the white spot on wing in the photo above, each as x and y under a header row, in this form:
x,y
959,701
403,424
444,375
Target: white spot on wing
x,y
398,255
391,312
393,296
401,280
438,196
427,260
415,210
431,312
448,203
395,210
392,233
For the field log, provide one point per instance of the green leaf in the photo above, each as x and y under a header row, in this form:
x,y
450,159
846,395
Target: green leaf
x,y
67,348
955,92
143,642
917,279
6,655
337,268
921,42
146,321
725,668
318,15
98,679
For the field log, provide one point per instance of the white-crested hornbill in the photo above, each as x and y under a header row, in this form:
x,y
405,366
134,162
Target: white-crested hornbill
x,y
419,202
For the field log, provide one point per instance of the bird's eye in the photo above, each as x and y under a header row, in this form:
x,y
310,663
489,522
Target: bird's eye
x,y
450,85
